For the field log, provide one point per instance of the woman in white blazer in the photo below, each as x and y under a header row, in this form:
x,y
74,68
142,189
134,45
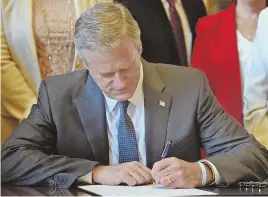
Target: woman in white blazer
x,y
36,42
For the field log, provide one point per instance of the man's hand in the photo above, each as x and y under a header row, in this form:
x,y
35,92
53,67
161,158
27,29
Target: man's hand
x,y
131,173
175,173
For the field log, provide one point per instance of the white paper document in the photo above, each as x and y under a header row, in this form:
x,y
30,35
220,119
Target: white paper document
x,y
146,190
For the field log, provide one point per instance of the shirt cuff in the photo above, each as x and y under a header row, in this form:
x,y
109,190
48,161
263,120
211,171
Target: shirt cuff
x,y
86,178
216,173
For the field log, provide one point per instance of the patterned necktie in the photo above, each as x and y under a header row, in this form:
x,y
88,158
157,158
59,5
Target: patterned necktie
x,y
127,142
177,30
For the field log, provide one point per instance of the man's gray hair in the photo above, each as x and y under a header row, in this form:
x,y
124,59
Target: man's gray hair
x,y
101,28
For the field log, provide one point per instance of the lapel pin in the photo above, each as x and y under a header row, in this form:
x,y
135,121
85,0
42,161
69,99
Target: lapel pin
x,y
162,103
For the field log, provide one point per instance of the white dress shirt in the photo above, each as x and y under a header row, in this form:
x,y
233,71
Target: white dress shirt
x,y
185,26
136,113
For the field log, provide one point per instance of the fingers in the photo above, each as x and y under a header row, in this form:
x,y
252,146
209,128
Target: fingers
x,y
135,173
160,165
168,179
148,170
174,180
140,179
128,179
145,172
180,175
157,179
166,171
176,184
164,168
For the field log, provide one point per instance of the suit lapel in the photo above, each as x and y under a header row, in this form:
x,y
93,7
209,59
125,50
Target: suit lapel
x,y
157,107
91,107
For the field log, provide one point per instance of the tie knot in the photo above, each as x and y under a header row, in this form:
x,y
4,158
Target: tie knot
x,y
123,105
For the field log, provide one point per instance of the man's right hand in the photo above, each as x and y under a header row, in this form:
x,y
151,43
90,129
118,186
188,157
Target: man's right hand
x,y
131,173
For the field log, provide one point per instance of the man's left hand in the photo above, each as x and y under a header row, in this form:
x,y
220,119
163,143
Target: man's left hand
x,y
175,173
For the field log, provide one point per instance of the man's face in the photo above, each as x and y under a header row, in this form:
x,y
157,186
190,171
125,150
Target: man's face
x,y
117,71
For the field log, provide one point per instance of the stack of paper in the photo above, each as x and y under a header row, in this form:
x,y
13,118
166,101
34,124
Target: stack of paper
x,y
146,190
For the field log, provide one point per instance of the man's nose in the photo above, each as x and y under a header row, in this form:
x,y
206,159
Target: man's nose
x,y
119,82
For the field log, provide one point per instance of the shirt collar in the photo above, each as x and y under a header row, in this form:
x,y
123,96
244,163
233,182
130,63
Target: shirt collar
x,y
137,99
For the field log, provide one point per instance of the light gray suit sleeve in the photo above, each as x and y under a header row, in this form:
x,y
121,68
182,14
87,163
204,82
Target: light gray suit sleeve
x,y
235,153
29,157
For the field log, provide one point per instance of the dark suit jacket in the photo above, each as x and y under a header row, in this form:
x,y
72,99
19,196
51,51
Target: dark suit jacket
x,y
65,135
157,38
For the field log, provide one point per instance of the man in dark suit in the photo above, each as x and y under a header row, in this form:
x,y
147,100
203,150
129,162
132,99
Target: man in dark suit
x,y
167,28
109,124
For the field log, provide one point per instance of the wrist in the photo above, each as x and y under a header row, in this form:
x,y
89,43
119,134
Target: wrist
x,y
96,174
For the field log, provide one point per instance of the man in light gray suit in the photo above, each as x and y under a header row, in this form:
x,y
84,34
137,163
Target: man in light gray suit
x,y
108,124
